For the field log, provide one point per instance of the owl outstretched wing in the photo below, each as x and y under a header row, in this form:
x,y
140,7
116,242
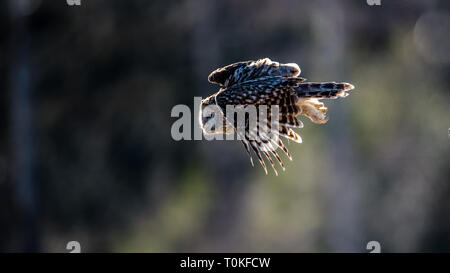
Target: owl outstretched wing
x,y
292,97
273,91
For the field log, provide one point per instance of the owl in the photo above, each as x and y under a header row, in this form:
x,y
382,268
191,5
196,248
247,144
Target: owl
x,y
277,86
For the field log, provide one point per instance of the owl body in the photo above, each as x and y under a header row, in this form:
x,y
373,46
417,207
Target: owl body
x,y
271,84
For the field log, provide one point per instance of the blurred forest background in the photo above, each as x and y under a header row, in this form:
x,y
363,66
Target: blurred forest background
x,y
86,152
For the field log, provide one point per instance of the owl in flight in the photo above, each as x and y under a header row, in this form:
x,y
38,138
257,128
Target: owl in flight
x,y
264,82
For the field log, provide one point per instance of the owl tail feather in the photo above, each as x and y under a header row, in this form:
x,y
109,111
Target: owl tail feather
x,y
310,93
323,90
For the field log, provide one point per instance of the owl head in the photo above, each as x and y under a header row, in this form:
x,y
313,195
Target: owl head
x,y
212,119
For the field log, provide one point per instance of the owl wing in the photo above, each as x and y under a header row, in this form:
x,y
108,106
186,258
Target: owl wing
x,y
264,138
252,70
